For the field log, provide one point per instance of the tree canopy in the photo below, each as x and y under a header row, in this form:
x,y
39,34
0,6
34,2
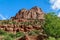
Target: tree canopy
x,y
52,24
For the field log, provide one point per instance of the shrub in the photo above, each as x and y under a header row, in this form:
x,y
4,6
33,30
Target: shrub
x,y
34,32
8,38
58,38
31,33
51,38
12,35
52,25
3,32
19,34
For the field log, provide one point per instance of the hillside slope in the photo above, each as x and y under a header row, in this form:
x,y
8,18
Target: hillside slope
x,y
29,22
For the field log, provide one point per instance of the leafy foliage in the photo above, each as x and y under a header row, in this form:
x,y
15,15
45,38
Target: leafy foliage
x,y
19,34
2,32
51,38
8,38
34,32
52,25
12,35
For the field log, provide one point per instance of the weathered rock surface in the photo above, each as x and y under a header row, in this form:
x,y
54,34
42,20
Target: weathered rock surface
x,y
33,13
26,16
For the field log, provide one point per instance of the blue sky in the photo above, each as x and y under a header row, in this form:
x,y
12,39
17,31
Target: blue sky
x,y
9,8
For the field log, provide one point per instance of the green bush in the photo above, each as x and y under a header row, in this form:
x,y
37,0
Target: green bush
x,y
58,38
31,33
34,32
8,38
19,34
12,35
51,38
52,25
3,32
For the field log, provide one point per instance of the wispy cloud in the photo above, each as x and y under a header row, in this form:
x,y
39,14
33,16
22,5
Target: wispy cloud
x,y
3,18
55,5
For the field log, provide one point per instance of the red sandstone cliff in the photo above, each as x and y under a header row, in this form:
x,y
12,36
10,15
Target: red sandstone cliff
x,y
33,18
33,13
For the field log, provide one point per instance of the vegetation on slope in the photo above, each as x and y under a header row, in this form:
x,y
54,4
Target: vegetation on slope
x,y
52,26
10,36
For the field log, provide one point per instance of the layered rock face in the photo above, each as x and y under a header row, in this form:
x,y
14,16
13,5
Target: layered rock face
x,y
33,13
26,21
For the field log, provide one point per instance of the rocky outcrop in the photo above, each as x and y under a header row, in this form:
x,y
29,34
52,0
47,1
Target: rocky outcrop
x,y
32,20
21,28
33,13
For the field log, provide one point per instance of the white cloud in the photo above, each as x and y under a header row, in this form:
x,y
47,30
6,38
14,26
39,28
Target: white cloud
x,y
55,4
3,18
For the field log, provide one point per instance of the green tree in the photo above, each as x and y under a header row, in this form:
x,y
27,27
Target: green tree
x,y
52,25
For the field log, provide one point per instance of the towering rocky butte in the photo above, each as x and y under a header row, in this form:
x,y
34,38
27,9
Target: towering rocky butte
x,y
26,16
33,13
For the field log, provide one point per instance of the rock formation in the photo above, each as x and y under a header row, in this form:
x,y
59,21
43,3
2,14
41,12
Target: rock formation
x,y
25,21
33,13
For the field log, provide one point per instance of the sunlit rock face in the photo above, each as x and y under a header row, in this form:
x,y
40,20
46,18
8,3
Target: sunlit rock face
x,y
25,21
25,16
33,13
